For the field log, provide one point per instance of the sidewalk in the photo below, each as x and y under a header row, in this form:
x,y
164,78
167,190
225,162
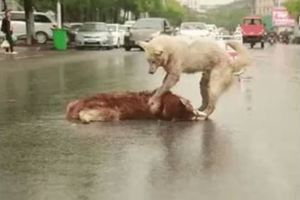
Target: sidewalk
x,y
31,51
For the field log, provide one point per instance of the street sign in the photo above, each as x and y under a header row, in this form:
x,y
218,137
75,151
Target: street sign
x,y
281,17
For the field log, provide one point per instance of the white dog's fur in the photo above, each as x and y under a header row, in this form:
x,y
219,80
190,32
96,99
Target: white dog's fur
x,y
177,56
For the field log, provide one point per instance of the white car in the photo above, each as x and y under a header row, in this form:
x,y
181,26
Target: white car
x,y
194,30
129,23
43,25
213,30
94,34
118,33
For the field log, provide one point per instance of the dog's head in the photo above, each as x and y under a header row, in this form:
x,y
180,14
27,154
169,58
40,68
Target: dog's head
x,y
156,55
72,111
178,108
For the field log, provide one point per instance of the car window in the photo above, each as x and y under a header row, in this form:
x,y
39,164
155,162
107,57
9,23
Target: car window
x,y
148,24
257,22
253,21
41,19
75,27
166,23
18,17
112,28
93,27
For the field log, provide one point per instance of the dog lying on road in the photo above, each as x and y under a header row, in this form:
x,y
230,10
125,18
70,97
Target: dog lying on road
x,y
130,105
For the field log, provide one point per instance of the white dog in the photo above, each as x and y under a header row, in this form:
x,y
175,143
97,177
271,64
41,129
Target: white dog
x,y
177,56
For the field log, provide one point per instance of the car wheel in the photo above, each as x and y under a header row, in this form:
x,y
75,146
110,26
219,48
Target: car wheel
x,y
41,37
127,48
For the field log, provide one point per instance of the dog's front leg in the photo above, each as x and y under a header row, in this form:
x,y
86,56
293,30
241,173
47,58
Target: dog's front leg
x,y
169,82
204,87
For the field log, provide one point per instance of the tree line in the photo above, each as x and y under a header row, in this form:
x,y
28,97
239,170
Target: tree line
x,y
293,6
116,11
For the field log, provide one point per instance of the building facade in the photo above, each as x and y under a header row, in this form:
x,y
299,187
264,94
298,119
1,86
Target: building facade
x,y
264,7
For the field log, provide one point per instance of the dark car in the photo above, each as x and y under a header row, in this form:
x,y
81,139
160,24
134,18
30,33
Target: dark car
x,y
144,30
72,30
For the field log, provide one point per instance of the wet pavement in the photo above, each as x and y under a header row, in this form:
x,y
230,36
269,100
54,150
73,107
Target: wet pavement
x,y
248,150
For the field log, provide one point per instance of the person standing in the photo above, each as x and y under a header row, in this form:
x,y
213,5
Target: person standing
x,y
6,28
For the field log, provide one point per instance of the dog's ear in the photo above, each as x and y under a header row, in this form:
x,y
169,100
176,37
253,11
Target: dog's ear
x,y
143,45
158,50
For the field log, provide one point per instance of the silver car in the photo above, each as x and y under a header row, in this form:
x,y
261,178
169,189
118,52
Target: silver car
x,y
146,29
94,34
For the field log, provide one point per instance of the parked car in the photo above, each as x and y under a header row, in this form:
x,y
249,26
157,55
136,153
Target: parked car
x,y
253,31
129,23
144,30
118,33
194,30
94,34
72,30
213,30
43,24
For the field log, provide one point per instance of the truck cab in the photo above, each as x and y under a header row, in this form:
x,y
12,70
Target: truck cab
x,y
253,30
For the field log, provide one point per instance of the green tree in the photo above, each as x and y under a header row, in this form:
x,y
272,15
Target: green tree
x,y
293,6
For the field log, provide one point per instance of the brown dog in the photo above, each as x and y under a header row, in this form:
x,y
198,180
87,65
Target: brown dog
x,y
130,105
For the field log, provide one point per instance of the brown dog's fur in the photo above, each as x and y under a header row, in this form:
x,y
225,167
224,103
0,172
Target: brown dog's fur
x,y
130,105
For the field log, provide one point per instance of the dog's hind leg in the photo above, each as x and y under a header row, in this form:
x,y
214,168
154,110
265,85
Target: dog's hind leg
x,y
204,87
220,79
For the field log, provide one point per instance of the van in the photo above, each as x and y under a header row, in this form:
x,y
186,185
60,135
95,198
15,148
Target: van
x,y
43,24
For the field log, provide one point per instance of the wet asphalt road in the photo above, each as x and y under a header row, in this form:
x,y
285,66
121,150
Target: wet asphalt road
x,y
248,150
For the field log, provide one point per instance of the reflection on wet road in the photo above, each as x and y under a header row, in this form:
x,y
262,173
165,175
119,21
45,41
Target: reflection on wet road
x,y
248,150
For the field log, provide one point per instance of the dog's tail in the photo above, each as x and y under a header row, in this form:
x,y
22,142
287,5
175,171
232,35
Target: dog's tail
x,y
242,60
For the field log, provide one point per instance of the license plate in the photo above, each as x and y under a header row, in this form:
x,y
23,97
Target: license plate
x,y
91,41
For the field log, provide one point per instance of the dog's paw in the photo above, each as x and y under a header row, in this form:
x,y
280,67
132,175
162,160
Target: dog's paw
x,y
154,104
199,115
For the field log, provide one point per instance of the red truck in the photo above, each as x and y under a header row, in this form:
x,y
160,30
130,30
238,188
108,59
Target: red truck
x,y
253,31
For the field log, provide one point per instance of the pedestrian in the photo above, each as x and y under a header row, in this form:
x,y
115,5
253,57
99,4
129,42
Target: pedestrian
x,y
6,28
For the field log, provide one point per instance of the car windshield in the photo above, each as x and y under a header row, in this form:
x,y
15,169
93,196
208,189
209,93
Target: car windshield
x,y
112,28
148,24
52,18
253,21
123,28
93,27
75,27
193,26
211,27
